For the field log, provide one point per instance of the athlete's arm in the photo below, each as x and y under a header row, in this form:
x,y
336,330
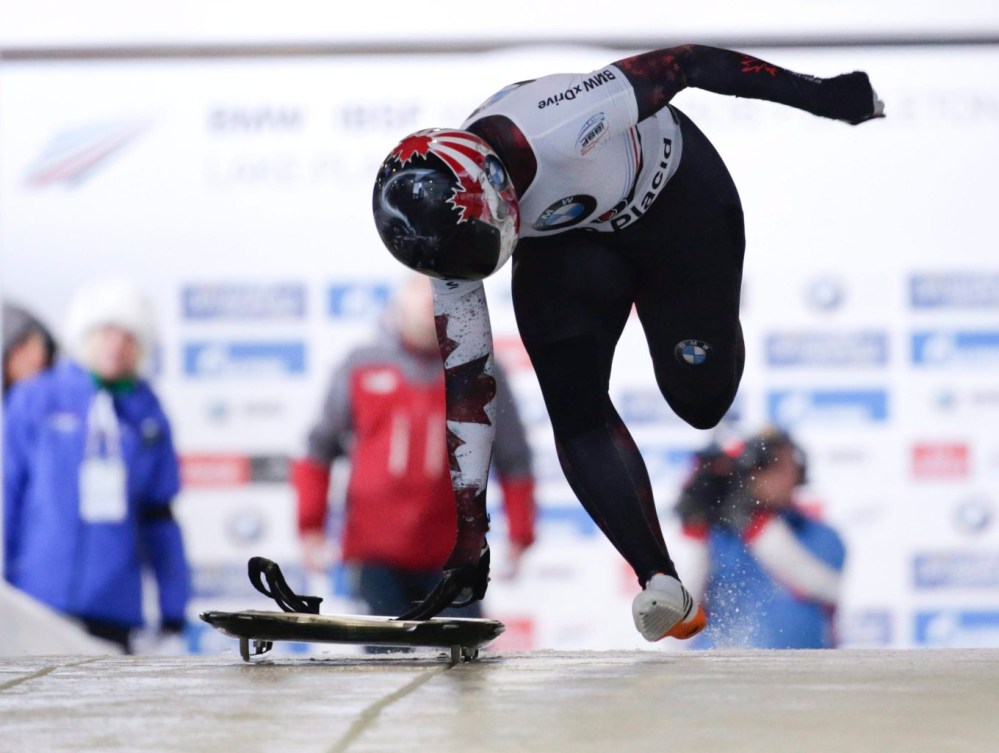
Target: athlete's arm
x,y
659,75
465,338
467,349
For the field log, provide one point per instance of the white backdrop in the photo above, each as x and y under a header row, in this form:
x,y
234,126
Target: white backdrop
x,y
238,192
34,24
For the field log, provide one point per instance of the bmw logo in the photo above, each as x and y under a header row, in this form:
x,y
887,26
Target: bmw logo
x,y
694,352
496,174
825,293
973,515
246,527
565,213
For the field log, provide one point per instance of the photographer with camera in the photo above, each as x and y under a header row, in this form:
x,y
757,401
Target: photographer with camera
x,y
771,570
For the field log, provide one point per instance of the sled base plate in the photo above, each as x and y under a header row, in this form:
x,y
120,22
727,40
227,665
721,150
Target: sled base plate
x,y
257,631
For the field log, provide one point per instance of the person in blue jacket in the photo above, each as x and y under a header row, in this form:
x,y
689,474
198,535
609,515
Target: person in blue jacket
x,y
771,570
90,472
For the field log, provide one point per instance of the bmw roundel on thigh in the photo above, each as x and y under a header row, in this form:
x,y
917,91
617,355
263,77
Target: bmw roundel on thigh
x,y
693,352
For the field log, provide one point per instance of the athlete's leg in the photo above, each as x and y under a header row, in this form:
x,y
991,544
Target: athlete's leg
x,y
572,298
688,299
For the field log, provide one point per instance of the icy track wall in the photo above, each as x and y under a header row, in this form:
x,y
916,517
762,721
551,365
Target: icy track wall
x,y
238,192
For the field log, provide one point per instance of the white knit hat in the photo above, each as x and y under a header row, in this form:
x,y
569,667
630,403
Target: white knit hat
x,y
109,301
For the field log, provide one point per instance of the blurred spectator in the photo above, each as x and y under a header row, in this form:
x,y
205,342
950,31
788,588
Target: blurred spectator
x,y
90,472
385,411
771,571
28,346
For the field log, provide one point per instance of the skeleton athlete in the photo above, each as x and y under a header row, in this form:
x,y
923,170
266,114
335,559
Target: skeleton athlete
x,y
611,198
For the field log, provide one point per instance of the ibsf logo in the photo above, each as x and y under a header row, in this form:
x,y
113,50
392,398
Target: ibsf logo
x,y
76,154
590,133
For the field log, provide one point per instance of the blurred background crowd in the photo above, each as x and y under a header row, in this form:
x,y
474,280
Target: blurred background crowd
x,y
208,356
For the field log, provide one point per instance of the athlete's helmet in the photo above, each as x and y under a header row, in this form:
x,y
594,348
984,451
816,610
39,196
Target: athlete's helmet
x,y
444,205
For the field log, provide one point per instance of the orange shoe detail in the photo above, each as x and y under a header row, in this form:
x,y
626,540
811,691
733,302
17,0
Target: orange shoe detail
x,y
688,629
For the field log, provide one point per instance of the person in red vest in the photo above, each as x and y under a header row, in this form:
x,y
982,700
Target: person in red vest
x,y
385,411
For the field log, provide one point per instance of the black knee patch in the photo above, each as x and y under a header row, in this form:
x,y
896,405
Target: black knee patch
x,y
701,415
700,404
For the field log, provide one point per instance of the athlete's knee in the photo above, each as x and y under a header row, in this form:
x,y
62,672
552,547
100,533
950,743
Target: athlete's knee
x,y
701,414
702,404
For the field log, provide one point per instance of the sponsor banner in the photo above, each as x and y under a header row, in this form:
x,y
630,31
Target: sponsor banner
x,y
953,628
511,353
546,465
646,405
228,580
520,633
244,360
866,628
845,457
827,349
969,400
793,407
214,470
254,119
955,570
667,462
568,513
220,470
964,349
358,300
954,290
220,410
940,460
270,469
202,302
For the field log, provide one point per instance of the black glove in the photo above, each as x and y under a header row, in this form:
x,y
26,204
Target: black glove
x,y
460,586
851,98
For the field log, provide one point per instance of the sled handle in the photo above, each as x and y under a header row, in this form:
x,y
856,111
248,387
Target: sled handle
x,y
277,588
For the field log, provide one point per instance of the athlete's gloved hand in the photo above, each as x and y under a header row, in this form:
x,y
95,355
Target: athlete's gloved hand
x,y
850,98
461,585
